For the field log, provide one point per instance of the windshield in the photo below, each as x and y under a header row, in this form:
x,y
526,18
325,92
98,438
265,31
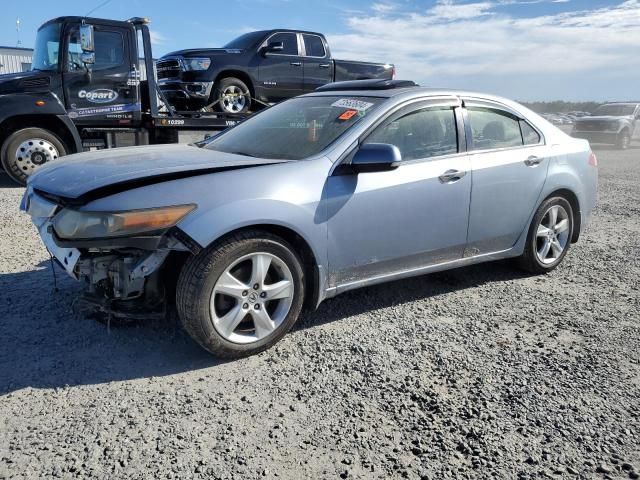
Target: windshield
x,y
245,41
615,110
45,53
295,129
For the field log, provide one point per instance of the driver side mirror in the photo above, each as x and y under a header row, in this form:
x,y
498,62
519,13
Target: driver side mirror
x,y
86,38
88,58
376,157
273,47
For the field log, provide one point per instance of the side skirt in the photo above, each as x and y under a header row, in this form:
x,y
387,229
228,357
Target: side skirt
x,y
414,272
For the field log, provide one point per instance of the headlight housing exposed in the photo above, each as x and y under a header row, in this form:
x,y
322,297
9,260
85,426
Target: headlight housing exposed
x,y
74,224
195,64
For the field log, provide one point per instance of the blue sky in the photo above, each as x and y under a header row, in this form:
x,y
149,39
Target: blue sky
x,y
524,49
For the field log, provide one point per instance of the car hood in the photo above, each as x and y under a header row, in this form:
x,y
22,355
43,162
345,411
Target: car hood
x,y
207,52
80,178
24,81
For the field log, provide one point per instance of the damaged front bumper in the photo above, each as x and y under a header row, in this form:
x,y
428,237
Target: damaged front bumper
x,y
121,274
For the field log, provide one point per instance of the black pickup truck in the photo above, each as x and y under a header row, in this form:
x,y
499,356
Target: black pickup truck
x,y
260,67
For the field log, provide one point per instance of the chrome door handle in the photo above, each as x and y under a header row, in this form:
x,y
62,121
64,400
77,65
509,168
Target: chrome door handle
x,y
533,161
324,65
451,176
296,64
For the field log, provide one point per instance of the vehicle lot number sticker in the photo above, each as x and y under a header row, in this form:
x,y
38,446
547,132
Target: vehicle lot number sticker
x,y
348,114
352,104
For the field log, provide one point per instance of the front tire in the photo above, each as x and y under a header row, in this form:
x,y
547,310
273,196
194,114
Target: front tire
x,y
241,295
231,96
549,236
27,149
624,140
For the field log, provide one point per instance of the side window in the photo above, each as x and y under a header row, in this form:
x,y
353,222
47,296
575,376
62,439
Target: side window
x,y
313,46
420,134
109,51
289,41
493,129
529,135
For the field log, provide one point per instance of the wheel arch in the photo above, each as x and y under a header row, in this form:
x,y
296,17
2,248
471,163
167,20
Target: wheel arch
x,y
312,268
240,75
572,198
59,125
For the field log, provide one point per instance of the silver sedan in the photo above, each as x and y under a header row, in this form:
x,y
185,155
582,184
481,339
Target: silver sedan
x,y
353,185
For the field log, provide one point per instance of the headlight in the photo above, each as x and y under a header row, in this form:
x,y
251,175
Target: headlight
x,y
196,64
73,224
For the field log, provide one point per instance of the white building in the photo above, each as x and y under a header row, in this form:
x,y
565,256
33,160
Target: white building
x,y
14,59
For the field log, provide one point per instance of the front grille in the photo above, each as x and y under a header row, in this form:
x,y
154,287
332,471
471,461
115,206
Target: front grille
x,y
169,68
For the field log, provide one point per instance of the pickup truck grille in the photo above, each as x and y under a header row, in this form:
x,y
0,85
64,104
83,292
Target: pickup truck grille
x,y
169,68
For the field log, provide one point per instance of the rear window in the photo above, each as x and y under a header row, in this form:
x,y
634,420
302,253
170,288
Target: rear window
x,y
313,46
493,129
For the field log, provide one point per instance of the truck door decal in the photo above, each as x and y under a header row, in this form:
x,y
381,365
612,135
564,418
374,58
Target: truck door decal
x,y
112,111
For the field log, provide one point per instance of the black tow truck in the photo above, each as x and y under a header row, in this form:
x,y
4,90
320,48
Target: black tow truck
x,y
92,86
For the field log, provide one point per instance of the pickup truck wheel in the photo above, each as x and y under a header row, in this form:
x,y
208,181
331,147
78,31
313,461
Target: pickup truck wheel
x,y
242,294
232,96
25,150
624,140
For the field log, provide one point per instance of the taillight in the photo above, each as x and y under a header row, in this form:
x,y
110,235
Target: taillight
x,y
393,73
593,160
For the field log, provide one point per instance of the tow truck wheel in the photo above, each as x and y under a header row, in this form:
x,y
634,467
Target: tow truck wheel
x,y
27,149
232,96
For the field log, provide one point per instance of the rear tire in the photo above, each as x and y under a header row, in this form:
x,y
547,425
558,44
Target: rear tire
x,y
27,149
231,95
231,309
549,236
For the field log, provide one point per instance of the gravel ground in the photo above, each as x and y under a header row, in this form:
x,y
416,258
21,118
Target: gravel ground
x,y
474,373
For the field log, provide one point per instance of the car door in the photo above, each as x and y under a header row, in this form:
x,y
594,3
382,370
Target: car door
x,y
509,163
281,73
318,66
410,217
107,91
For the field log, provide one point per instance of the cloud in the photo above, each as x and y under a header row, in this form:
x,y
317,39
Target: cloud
x,y
456,43
157,38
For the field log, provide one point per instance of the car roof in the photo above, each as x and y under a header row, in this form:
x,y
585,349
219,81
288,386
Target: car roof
x,y
411,92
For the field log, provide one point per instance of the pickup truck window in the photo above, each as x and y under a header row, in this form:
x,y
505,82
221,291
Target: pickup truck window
x,y
313,46
245,41
289,41
614,110
295,129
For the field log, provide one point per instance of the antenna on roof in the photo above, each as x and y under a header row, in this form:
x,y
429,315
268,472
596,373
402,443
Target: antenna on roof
x,y
97,8
19,42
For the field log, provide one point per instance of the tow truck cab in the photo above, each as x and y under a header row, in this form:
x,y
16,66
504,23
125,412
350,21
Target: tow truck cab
x,y
92,85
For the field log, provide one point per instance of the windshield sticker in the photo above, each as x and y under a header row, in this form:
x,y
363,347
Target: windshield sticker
x,y
347,114
352,104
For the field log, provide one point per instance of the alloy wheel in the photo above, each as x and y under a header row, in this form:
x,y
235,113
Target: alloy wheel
x,y
552,235
252,298
233,99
